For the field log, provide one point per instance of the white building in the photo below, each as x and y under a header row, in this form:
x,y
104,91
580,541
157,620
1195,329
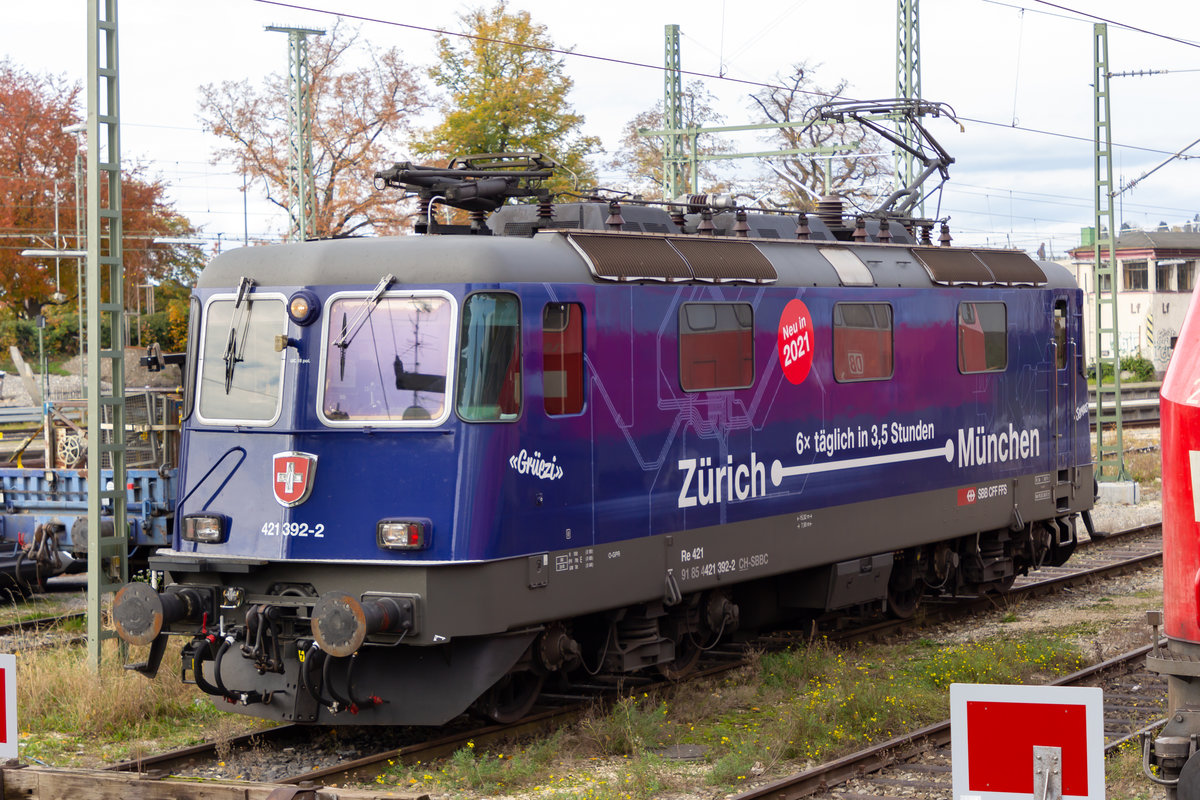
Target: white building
x,y
1157,271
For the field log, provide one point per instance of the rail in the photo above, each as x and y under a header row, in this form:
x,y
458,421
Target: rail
x,y
13,415
822,778
1139,402
558,709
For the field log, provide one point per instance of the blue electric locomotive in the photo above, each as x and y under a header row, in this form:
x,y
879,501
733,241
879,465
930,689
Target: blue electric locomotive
x,y
428,473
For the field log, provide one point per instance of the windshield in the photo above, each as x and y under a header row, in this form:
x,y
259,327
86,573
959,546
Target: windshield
x,y
242,384
393,366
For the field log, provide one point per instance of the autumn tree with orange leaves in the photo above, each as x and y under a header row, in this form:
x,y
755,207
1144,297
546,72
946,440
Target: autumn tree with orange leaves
x,y
360,118
37,184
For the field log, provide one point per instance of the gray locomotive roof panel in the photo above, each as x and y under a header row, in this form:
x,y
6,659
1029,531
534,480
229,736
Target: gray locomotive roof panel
x,y
956,265
412,259
615,257
729,259
625,258
552,258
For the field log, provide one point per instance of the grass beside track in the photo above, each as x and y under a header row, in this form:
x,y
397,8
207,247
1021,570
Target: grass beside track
x,y
800,706
783,712
69,716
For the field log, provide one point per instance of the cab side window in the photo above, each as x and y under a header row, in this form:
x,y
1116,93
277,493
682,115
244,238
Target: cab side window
x,y
562,358
862,342
489,358
716,346
982,337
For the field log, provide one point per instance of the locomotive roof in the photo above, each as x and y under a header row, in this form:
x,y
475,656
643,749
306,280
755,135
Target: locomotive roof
x,y
604,257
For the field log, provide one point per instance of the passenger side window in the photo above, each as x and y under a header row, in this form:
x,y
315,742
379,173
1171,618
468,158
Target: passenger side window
x,y
562,358
862,342
489,359
982,337
716,346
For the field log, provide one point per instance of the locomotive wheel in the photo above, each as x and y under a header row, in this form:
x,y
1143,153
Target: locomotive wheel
x,y
687,656
903,603
905,586
511,697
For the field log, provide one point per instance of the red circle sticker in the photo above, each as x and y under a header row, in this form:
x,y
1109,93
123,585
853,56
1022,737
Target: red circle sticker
x,y
796,341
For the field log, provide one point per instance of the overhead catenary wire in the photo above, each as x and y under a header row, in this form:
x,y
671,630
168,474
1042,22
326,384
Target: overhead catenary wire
x,y
1041,8
691,73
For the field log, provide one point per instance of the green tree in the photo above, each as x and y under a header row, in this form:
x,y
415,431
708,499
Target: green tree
x,y
797,179
507,90
640,158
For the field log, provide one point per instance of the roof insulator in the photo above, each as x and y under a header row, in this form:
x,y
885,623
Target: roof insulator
x,y
944,237
740,227
860,230
614,221
678,218
706,227
927,235
885,232
802,229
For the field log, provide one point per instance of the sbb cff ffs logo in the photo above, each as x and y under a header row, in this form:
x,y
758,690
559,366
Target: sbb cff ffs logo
x,y
972,494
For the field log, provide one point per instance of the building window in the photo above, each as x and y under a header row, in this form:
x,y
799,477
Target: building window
x,y
982,337
562,358
1162,277
1136,276
1186,276
716,346
862,342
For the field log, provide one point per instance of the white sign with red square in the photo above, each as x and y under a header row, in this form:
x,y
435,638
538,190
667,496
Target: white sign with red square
x,y
8,699
995,728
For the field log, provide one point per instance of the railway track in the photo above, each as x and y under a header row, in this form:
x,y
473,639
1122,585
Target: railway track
x,y
40,624
15,636
1139,403
348,754
920,761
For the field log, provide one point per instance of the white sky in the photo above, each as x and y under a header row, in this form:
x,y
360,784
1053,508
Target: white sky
x,y
991,61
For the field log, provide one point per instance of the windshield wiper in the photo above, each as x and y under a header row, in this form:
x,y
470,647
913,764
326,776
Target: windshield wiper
x,y
239,323
348,334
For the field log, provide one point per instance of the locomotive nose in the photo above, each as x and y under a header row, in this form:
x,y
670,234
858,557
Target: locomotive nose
x,y
341,623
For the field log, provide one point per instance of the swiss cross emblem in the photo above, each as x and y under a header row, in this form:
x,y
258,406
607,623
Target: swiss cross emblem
x,y
292,477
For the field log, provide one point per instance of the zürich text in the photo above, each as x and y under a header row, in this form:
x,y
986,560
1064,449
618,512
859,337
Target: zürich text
x,y
705,484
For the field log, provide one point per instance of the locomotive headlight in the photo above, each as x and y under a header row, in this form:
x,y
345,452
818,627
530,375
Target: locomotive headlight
x,y
403,534
303,307
205,528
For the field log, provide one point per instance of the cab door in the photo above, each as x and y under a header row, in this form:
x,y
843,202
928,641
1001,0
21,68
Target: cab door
x,y
1065,347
